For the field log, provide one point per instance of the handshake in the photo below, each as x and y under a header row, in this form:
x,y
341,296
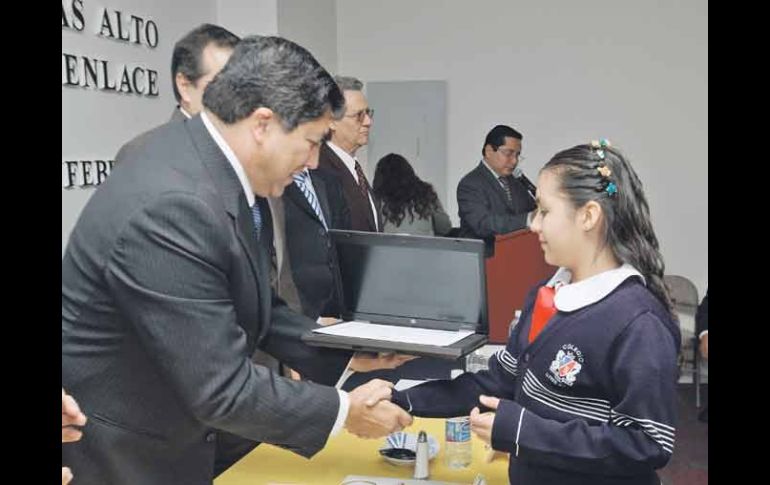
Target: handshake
x,y
371,414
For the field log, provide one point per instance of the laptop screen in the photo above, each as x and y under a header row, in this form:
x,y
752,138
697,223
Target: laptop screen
x,y
431,282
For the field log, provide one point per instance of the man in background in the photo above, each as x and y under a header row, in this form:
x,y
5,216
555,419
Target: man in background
x,y
338,156
196,59
490,199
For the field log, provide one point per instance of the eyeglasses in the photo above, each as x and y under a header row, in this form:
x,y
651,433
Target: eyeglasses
x,y
361,115
508,153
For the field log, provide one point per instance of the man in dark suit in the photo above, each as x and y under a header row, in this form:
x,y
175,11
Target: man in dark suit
x,y
702,330
165,293
313,204
196,59
491,201
338,156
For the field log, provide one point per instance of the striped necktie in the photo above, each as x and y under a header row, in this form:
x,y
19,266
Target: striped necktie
x,y
257,215
302,180
363,184
506,188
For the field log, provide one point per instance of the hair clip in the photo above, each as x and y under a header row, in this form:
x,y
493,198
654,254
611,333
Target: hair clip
x,y
604,170
611,189
599,145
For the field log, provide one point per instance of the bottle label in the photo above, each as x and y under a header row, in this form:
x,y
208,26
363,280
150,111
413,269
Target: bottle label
x,y
458,429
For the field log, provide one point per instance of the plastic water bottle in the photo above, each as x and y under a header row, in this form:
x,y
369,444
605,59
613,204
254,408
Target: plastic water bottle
x,y
458,451
514,322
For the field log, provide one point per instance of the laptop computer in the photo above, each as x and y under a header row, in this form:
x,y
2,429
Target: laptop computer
x,y
408,294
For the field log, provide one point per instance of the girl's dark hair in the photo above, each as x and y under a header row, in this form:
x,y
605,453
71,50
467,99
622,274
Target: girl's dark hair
x,y
628,231
401,190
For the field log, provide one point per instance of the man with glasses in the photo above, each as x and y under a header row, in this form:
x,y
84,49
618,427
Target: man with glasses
x,y
338,156
491,200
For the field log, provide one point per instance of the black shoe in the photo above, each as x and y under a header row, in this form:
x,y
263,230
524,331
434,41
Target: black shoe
x,y
704,414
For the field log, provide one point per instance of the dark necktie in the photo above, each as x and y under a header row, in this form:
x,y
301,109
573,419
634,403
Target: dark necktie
x,y
506,188
363,184
257,215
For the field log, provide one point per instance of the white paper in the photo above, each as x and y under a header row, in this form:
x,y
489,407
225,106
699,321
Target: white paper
x,y
395,333
404,384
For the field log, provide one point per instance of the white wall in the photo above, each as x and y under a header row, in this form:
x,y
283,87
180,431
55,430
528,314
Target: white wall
x,y
313,25
247,17
562,72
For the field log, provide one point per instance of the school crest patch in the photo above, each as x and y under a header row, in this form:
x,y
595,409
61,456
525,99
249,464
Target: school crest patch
x,y
566,366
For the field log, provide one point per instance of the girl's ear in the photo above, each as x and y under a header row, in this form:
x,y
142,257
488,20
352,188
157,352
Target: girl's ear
x,y
590,215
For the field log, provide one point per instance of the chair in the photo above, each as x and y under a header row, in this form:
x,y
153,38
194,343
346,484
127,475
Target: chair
x,y
684,296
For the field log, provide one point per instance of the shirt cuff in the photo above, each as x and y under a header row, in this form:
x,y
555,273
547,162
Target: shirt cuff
x,y
342,413
700,335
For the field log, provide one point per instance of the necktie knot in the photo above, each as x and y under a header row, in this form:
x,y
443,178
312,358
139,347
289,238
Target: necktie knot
x,y
301,177
363,184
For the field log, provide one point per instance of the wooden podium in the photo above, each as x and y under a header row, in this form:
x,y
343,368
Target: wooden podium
x,y
515,267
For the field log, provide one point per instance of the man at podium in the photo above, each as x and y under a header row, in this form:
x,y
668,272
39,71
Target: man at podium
x,y
490,198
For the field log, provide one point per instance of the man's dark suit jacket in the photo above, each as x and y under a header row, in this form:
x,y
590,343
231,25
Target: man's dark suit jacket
x,y
361,217
311,253
165,296
485,210
177,115
702,315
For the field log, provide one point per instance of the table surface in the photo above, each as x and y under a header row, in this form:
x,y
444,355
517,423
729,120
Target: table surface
x,y
346,454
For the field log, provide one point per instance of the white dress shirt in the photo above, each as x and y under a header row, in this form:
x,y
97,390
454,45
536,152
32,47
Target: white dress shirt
x,y
342,412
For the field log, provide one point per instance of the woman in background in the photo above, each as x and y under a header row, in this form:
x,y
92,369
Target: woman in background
x,y
409,205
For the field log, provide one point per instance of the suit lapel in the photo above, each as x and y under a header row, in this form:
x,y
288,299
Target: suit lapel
x,y
323,199
234,201
296,195
349,184
495,185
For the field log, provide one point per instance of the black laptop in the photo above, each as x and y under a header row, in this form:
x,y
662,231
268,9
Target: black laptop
x,y
414,295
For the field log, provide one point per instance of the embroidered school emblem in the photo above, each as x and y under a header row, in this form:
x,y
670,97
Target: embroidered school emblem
x,y
566,366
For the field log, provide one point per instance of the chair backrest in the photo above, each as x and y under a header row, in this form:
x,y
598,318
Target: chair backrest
x,y
684,294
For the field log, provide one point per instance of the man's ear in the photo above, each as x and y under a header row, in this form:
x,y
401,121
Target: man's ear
x,y
260,121
183,85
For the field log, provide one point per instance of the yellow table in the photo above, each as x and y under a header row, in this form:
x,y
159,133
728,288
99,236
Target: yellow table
x,y
346,455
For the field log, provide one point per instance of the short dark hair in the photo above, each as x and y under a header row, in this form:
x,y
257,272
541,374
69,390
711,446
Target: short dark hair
x,y
186,58
496,137
274,73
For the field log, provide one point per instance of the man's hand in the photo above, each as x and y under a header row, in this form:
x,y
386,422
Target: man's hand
x,y
704,346
367,362
71,415
371,414
324,321
66,475
481,423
